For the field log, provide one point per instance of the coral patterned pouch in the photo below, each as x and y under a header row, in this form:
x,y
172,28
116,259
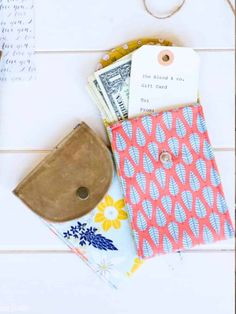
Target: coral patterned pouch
x,y
170,181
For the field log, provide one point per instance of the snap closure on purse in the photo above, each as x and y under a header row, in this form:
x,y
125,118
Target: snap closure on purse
x,y
82,193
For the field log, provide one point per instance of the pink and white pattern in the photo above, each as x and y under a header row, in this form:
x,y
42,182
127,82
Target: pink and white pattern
x,y
174,204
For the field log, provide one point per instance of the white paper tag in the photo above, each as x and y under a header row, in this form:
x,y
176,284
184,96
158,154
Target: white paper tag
x,y
162,77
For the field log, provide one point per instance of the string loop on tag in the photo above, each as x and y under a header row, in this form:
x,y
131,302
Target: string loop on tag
x,y
179,7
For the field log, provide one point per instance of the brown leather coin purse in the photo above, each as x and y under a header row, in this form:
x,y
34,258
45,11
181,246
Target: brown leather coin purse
x,y
71,180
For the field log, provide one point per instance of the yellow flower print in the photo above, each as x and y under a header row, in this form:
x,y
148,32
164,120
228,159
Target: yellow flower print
x,y
110,213
137,263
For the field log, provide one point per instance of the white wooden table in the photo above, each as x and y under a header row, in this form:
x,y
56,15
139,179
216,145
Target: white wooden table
x,y
38,273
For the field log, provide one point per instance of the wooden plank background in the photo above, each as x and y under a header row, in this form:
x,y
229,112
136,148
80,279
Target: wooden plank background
x,y
38,274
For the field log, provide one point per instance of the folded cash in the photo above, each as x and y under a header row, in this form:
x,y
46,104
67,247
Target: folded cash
x,y
109,88
97,96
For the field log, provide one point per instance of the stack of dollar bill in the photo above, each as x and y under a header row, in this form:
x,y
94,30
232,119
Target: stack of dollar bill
x,y
109,88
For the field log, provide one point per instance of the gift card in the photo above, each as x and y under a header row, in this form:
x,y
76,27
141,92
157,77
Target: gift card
x,y
162,77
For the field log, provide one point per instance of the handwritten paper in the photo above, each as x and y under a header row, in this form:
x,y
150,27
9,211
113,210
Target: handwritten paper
x,y
17,40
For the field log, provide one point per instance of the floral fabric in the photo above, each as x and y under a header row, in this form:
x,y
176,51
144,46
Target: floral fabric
x,y
103,238
177,203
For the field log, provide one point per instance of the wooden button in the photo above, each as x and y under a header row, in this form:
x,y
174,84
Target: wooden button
x,y
165,157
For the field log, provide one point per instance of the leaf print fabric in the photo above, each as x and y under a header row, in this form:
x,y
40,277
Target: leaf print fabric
x,y
175,204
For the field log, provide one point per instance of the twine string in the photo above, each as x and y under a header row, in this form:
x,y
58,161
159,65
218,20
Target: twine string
x,y
175,10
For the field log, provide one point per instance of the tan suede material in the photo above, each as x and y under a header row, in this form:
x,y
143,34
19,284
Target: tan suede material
x,y
81,163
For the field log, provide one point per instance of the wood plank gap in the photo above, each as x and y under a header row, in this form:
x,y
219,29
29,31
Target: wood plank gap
x,y
104,51
26,251
215,49
44,151
25,151
224,149
69,51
